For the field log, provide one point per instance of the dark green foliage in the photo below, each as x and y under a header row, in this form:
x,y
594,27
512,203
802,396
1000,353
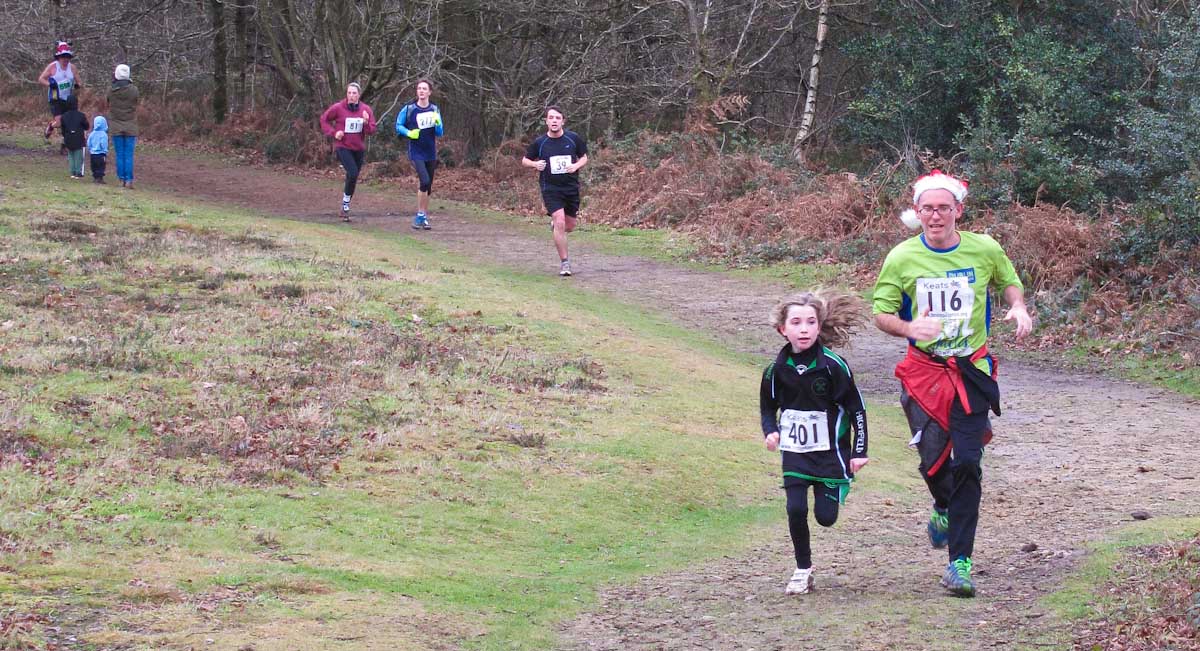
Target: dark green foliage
x,y
1026,91
1156,159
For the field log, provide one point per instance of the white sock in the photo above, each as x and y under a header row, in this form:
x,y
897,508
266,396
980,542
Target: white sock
x,y
346,200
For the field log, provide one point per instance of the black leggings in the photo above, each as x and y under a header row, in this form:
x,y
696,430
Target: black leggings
x,y
425,170
353,162
825,508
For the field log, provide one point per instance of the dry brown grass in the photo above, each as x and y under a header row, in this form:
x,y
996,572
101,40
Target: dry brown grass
x,y
1054,246
1155,603
289,394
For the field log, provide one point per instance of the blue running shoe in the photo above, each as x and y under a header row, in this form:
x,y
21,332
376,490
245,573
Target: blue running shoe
x,y
417,221
425,222
957,578
938,528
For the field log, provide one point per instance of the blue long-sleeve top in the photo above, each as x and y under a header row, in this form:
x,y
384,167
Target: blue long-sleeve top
x,y
428,121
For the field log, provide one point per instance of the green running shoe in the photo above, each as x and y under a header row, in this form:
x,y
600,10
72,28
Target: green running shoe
x,y
957,578
938,528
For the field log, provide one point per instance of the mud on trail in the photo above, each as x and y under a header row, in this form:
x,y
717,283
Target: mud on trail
x,y
1073,456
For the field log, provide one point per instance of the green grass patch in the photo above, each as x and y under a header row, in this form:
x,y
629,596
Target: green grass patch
x,y
305,432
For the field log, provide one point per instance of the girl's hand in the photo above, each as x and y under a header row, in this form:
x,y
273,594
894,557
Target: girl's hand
x,y
857,464
772,442
338,135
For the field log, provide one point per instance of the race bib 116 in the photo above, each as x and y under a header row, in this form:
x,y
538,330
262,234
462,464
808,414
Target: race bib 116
x,y
950,300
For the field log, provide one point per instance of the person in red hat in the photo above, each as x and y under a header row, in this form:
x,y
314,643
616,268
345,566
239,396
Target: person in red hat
x,y
61,80
938,290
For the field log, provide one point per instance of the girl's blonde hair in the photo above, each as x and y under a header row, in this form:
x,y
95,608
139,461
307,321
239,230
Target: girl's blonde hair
x,y
839,315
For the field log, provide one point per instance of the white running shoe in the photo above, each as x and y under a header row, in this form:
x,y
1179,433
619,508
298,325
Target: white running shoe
x,y
564,269
800,583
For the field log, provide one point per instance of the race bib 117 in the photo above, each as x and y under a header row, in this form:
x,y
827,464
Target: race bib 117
x,y
426,120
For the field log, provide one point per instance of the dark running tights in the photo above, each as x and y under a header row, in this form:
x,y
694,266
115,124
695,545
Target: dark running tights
x,y
425,170
352,161
958,485
825,509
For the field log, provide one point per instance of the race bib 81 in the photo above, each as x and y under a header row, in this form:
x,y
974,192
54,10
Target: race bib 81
x,y
353,125
803,431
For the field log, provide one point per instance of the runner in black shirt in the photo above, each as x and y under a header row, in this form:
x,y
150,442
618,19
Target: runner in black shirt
x,y
558,156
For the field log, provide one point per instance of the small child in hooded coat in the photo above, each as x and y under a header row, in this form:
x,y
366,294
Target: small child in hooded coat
x,y
97,144
74,132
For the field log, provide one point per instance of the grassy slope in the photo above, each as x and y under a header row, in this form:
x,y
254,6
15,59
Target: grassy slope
x,y
240,429
507,451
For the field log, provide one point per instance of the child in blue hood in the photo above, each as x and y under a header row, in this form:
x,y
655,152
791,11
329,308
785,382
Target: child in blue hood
x,y
97,144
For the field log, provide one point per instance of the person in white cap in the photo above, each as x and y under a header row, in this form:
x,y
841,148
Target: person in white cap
x,y
936,290
122,122
61,79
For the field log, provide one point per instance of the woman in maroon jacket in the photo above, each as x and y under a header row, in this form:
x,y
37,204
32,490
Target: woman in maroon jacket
x,y
348,122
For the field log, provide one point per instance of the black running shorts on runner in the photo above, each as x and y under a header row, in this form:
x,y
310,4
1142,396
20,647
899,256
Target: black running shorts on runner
x,y
565,198
60,106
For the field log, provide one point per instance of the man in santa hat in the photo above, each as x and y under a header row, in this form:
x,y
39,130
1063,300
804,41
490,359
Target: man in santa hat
x,y
936,290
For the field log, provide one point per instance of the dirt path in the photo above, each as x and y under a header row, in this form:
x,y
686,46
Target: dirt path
x,y
1075,455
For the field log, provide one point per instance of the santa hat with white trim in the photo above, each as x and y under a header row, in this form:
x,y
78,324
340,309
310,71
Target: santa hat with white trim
x,y
935,180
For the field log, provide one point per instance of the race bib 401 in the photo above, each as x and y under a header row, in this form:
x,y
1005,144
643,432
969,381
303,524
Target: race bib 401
x,y
803,431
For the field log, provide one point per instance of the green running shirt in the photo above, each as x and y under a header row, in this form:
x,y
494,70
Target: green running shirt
x,y
954,285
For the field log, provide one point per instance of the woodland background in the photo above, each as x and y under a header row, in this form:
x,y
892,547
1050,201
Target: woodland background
x,y
770,129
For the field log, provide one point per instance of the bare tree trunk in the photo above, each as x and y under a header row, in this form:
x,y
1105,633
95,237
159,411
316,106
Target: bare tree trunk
x,y
814,74
220,98
241,36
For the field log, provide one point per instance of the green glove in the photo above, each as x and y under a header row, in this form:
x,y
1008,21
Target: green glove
x,y
414,133
437,119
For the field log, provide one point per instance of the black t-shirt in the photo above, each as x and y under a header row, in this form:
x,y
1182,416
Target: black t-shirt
x,y
558,153
74,125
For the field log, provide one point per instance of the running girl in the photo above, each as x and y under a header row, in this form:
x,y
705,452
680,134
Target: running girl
x,y
421,124
813,413
348,122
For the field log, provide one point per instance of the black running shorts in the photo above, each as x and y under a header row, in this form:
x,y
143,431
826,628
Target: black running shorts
x,y
566,199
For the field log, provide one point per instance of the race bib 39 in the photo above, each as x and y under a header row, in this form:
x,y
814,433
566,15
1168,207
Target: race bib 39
x,y
559,164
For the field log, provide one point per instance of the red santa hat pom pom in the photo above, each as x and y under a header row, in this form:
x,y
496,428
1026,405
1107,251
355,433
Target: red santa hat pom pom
x,y
910,219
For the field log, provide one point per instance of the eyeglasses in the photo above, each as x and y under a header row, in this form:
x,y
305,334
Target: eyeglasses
x,y
944,211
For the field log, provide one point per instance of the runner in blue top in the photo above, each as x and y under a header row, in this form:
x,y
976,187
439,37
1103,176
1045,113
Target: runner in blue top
x,y
558,155
421,123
